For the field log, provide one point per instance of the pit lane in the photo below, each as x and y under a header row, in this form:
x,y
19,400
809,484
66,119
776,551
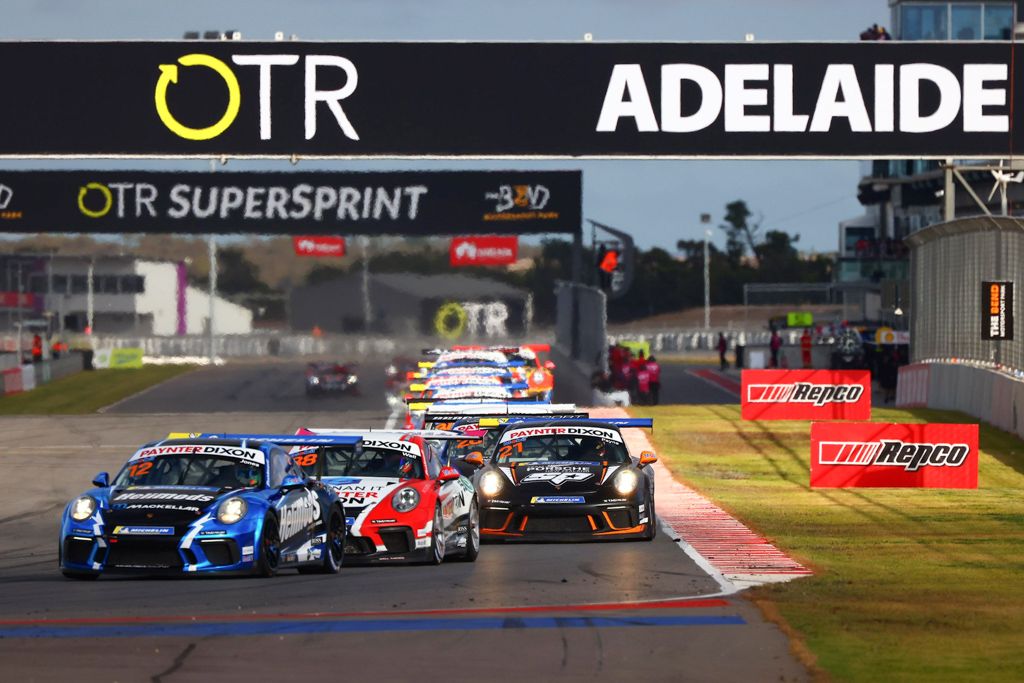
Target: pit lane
x,y
541,610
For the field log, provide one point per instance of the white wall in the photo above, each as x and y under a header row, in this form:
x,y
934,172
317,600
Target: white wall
x,y
160,297
230,318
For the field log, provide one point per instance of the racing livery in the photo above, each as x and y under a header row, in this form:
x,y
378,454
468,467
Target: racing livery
x,y
566,480
204,505
403,504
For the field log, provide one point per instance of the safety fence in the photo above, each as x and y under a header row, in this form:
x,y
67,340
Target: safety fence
x,y
18,378
682,341
989,395
949,262
581,323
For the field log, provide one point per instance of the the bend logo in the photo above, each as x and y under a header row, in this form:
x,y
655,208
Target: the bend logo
x,y
522,197
171,74
893,453
804,392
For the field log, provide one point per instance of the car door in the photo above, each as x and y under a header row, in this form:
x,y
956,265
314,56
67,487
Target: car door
x,y
452,495
299,510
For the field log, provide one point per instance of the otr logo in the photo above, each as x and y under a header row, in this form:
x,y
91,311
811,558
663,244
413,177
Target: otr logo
x,y
332,98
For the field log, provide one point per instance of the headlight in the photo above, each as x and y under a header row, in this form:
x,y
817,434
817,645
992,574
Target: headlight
x,y
82,508
405,499
626,481
314,380
352,379
391,370
490,483
231,510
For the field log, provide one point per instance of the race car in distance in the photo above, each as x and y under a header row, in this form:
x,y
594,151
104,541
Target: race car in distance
x,y
205,505
525,364
327,378
565,480
404,505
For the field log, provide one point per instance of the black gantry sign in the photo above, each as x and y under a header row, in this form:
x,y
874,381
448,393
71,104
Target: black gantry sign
x,y
400,100
997,310
401,202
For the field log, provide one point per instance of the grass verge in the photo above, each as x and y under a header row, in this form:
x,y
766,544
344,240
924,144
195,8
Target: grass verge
x,y
87,392
909,584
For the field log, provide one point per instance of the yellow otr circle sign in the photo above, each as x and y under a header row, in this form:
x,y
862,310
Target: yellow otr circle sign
x,y
169,74
450,320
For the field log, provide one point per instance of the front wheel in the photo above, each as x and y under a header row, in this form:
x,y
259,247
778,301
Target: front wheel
x,y
652,521
437,538
270,548
472,533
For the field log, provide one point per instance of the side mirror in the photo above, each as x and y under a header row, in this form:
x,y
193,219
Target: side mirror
x,y
101,480
550,365
292,482
647,458
448,474
476,459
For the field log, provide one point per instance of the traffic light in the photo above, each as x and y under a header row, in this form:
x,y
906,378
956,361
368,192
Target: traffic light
x,y
607,262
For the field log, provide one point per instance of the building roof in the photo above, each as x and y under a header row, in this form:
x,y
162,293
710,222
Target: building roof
x,y
444,285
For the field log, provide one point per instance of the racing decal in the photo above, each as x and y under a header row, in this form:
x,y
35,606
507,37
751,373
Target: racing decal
x,y
143,531
199,497
557,479
355,492
298,514
599,432
806,395
558,499
247,454
407,448
894,455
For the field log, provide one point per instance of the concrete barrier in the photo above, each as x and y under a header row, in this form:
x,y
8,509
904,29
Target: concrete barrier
x,y
989,395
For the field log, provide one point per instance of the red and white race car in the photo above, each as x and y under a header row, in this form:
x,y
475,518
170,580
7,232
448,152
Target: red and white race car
x,y
401,503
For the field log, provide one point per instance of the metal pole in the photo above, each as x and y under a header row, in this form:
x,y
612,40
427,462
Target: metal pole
x,y
364,241
948,192
21,315
212,244
89,301
707,282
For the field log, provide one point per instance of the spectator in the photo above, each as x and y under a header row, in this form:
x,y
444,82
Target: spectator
x,y
37,349
723,346
775,344
654,373
805,348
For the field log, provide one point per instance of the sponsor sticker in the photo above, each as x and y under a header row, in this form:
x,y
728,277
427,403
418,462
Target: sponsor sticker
x,y
247,454
143,530
558,499
525,432
894,455
806,395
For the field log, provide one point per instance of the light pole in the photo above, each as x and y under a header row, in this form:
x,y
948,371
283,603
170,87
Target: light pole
x,y
707,281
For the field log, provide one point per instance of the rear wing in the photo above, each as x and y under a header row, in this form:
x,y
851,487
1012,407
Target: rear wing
x,y
432,434
286,439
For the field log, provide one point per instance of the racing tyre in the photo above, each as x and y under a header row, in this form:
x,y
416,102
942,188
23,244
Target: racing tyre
x,y
334,547
472,533
437,538
270,548
652,525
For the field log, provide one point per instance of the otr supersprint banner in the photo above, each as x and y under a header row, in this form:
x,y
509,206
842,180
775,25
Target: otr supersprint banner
x,y
898,455
400,202
202,99
806,395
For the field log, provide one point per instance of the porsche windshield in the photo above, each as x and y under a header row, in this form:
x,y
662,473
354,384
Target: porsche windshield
x,y
463,447
363,462
561,449
194,470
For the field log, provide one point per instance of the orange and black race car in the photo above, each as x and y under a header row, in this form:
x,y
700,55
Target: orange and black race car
x,y
567,480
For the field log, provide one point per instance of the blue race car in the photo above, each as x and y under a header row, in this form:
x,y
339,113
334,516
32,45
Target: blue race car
x,y
206,505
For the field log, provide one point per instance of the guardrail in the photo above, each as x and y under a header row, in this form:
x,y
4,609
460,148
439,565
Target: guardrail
x,y
680,341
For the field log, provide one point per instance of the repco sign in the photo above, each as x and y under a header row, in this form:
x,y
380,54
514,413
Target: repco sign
x,y
806,395
898,455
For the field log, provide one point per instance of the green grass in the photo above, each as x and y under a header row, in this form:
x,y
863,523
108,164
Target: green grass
x,y
87,392
909,584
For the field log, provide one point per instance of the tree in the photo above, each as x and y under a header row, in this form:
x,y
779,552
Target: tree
x,y
740,234
236,274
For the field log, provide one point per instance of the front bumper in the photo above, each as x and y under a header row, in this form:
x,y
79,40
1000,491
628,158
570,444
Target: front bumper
x,y
564,522
103,552
386,545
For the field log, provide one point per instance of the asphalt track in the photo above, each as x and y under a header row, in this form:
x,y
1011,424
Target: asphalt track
x,y
521,612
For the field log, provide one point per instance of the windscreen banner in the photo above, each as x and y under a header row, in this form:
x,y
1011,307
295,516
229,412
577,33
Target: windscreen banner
x,y
874,454
290,100
806,395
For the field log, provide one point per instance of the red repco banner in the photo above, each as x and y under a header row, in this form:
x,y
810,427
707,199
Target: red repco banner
x,y
16,300
806,395
490,250
874,454
318,245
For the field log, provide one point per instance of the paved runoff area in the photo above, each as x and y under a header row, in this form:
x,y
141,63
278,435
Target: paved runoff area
x,y
589,611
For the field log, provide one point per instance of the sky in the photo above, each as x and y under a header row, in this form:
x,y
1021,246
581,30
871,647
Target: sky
x,y
659,202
